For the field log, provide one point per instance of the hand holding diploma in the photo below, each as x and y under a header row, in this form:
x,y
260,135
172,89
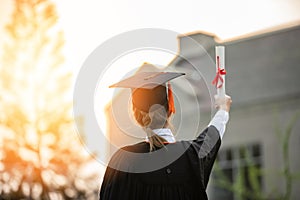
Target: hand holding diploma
x,y
223,103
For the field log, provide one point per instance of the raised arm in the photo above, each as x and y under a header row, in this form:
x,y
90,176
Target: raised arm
x,y
221,118
207,144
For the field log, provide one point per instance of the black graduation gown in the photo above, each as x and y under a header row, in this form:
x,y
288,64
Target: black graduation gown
x,y
183,179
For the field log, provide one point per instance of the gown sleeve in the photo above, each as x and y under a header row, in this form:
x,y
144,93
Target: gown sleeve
x,y
207,145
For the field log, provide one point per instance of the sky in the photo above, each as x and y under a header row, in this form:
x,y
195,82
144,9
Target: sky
x,y
89,23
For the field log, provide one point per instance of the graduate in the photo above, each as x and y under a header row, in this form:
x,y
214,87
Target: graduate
x,y
161,167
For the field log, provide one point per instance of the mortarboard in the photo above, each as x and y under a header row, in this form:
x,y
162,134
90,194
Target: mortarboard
x,y
149,88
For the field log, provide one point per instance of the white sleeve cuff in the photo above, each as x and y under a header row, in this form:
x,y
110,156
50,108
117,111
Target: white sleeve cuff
x,y
219,121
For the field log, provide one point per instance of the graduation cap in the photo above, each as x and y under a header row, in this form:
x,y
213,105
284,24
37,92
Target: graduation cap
x,y
149,88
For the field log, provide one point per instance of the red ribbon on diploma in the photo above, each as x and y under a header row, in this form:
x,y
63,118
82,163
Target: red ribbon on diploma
x,y
218,76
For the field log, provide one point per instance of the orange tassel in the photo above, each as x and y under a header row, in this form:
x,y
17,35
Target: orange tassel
x,y
171,99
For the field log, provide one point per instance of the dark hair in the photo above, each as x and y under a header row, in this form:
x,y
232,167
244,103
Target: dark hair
x,y
156,118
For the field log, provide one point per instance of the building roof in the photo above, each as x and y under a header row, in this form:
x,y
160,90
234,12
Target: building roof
x,y
261,67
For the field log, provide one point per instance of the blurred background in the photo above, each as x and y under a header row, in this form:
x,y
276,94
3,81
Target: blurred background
x,y
44,43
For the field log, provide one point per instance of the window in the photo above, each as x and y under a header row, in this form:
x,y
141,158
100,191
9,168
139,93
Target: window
x,y
237,173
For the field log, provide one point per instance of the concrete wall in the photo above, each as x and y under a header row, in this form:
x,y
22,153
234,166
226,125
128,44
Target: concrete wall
x,y
263,81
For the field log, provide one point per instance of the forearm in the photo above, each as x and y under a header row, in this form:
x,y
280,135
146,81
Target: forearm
x,y
219,121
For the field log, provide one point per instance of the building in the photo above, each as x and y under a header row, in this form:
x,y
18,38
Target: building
x,y
263,80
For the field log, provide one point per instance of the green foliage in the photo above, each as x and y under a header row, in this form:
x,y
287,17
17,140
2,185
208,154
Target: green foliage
x,y
285,136
254,190
238,186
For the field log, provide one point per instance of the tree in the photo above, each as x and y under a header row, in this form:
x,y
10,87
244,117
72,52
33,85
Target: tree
x,y
41,157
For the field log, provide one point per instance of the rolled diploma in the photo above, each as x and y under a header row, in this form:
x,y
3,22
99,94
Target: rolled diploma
x,y
220,51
